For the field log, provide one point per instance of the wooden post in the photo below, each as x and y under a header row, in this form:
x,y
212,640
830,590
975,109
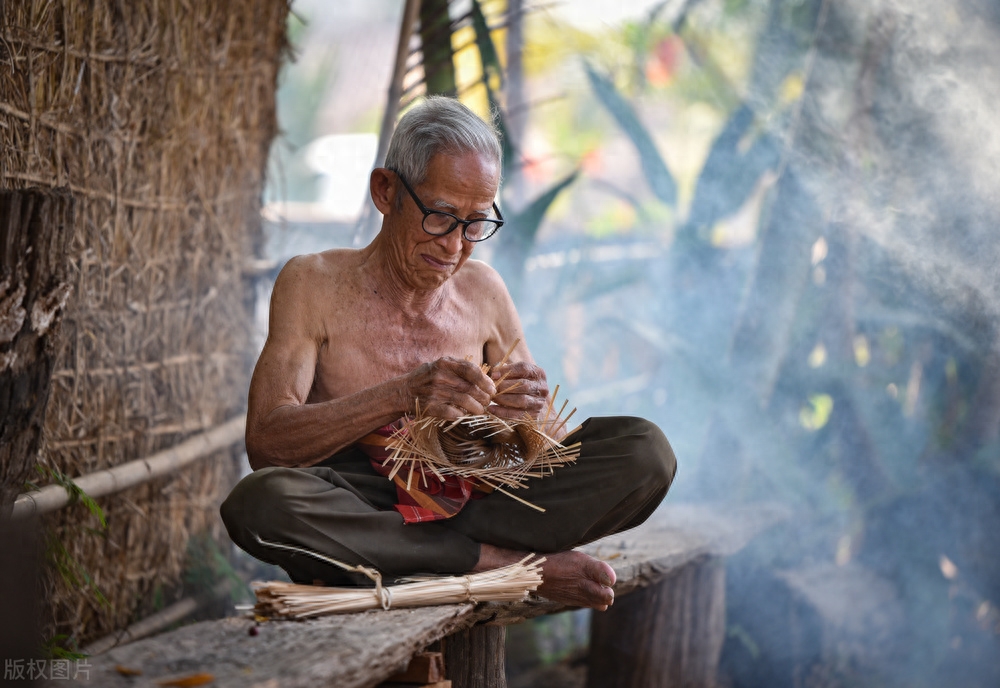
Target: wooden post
x,y
474,658
668,634
20,578
409,19
35,230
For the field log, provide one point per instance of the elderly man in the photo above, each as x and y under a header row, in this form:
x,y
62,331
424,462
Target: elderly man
x,y
359,338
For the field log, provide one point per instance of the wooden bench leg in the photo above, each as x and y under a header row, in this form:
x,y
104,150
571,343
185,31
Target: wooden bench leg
x,y
667,634
474,658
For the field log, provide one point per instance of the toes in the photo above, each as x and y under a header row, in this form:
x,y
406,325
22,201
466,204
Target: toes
x,y
578,579
601,572
596,594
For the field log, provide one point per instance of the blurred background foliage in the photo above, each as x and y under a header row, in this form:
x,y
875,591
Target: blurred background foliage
x,y
767,225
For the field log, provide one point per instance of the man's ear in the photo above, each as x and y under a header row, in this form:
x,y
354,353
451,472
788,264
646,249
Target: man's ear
x,y
382,185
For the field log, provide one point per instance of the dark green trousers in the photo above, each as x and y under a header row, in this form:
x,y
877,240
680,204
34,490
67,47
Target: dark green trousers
x,y
343,509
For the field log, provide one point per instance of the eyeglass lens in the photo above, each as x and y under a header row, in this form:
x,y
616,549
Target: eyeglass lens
x,y
441,223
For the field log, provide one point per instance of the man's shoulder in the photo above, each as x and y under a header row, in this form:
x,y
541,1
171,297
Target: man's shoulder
x,y
485,290
481,275
310,267
332,260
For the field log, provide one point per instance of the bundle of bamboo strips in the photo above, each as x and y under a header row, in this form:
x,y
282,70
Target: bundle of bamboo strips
x,y
507,584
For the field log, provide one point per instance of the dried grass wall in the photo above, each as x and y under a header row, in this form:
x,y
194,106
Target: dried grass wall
x,y
157,115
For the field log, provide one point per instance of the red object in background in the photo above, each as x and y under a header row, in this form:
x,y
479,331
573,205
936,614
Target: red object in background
x,y
664,60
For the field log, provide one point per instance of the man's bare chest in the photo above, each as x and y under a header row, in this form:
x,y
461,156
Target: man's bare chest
x,y
368,344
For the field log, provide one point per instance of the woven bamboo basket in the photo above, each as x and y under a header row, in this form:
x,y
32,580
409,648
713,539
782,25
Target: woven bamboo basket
x,y
499,453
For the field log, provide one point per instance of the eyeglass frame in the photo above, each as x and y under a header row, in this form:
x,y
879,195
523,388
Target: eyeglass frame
x,y
498,221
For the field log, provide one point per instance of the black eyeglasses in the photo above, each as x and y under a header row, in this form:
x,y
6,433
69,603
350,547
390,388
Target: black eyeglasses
x,y
439,223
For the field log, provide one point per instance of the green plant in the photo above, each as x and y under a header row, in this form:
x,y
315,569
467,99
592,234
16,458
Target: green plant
x,y
76,495
56,648
70,570
208,565
61,561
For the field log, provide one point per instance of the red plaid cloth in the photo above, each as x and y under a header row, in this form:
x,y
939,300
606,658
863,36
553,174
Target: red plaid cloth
x,y
428,498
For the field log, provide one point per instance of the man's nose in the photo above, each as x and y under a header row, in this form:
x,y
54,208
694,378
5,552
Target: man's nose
x,y
452,241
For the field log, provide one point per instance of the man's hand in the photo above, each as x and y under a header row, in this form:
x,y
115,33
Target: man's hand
x,y
523,390
450,388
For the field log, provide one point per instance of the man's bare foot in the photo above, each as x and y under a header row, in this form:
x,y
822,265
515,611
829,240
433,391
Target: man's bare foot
x,y
573,578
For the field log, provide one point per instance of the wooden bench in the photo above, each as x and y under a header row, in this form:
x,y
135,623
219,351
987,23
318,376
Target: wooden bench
x,y
666,627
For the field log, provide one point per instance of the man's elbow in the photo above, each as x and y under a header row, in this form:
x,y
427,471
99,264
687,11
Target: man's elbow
x,y
266,449
257,451
256,463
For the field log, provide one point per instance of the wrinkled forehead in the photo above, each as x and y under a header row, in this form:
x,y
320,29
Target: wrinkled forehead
x,y
468,173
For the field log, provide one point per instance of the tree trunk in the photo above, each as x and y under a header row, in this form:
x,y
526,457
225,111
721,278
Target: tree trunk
x,y
762,334
517,107
474,658
668,634
35,230
435,38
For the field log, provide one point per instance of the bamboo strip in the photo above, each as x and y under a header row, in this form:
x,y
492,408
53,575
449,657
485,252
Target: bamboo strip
x,y
185,359
112,480
160,204
157,622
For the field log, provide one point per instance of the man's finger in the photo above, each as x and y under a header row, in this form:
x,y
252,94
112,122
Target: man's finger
x,y
473,374
469,405
517,370
531,388
444,410
464,391
511,413
516,400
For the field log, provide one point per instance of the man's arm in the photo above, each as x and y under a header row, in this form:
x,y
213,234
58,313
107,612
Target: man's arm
x,y
524,388
284,430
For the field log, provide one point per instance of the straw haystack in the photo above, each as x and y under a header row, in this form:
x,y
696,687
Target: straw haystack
x,y
157,116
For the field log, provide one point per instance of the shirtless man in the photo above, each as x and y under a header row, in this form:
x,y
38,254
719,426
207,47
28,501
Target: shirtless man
x,y
358,338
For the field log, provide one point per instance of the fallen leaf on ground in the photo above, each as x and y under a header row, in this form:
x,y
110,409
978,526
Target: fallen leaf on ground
x,y
188,681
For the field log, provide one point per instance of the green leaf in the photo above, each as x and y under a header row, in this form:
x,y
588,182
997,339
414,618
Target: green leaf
x,y
491,66
55,648
744,638
484,41
76,494
529,220
817,414
520,232
436,48
729,175
658,176
509,157
72,572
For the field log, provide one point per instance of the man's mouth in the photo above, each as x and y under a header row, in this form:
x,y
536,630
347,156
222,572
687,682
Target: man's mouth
x,y
435,263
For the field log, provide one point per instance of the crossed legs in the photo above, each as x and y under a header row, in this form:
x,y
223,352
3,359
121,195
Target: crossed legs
x,y
343,509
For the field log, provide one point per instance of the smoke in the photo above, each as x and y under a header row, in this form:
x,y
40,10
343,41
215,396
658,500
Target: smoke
x,y
845,361
814,323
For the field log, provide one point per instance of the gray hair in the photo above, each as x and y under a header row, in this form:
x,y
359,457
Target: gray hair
x,y
439,125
